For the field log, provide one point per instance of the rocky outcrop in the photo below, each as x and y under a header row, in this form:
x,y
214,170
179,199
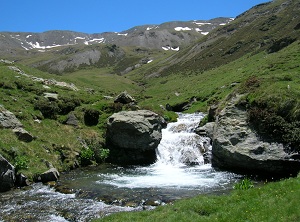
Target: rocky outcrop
x,y
7,175
9,121
133,136
238,148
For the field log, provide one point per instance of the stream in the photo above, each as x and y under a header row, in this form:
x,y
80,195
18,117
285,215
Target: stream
x,y
179,172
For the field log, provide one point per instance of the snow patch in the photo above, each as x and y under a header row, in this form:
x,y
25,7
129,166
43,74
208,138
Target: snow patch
x,y
151,60
125,34
79,38
202,23
166,48
182,29
28,36
223,24
198,30
102,40
204,33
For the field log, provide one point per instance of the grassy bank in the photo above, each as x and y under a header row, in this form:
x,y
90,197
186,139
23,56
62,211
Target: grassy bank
x,y
276,201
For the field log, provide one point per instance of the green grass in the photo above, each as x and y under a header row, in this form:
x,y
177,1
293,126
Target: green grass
x,y
276,201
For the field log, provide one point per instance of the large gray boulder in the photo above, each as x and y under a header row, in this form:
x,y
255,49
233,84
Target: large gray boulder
x,y
133,136
7,175
237,147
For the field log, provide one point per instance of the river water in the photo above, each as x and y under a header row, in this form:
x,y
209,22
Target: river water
x,y
179,172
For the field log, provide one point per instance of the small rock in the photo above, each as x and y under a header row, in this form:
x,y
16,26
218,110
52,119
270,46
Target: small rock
x,y
23,135
51,96
124,98
49,175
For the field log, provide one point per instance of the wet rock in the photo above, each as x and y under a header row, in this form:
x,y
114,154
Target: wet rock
x,y
50,175
23,135
22,180
133,136
7,175
206,130
237,147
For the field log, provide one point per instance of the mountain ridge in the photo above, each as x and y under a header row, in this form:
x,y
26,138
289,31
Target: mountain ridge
x,y
135,36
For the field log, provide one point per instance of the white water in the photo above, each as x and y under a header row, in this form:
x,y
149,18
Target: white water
x,y
179,164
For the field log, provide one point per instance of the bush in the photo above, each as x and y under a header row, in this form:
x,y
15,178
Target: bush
x,y
49,109
91,117
244,184
21,163
87,156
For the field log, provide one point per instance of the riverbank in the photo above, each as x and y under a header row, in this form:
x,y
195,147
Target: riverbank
x,y
276,201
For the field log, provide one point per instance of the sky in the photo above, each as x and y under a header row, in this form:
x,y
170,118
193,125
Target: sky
x,y
97,16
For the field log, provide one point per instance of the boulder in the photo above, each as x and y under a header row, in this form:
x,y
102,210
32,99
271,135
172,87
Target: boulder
x,y
72,120
23,135
236,147
133,136
21,180
8,119
50,175
124,98
7,175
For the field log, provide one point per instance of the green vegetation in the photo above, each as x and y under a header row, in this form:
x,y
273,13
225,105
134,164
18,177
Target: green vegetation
x,y
276,201
244,184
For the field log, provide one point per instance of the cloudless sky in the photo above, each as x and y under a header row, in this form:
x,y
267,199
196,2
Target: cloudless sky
x,y
97,16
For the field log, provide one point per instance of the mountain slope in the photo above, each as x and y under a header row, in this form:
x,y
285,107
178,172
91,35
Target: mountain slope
x,y
270,26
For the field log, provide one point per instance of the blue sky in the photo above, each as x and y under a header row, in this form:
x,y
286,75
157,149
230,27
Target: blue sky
x,y
96,16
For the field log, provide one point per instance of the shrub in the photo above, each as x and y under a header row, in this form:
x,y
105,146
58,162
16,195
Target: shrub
x,y
21,163
244,184
91,117
49,109
87,156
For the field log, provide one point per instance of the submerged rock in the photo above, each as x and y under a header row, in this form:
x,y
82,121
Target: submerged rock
x,y
237,147
133,136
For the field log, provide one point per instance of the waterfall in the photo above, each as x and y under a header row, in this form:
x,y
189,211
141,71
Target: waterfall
x,y
180,146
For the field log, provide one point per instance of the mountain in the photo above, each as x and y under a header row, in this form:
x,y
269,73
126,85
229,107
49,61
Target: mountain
x,y
75,50
168,35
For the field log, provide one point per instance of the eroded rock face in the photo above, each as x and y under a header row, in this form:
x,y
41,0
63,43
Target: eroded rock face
x,y
7,175
133,136
236,146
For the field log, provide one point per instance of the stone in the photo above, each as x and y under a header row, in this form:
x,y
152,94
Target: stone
x,y
8,119
124,98
237,147
206,130
72,120
7,175
23,135
22,180
50,175
133,136
51,96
